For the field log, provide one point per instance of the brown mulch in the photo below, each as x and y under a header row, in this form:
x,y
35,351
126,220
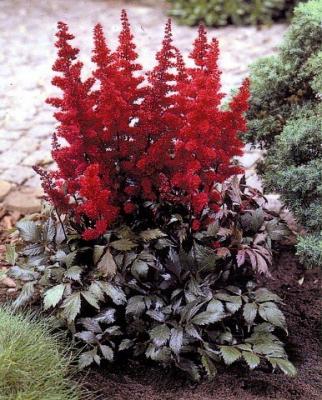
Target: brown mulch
x,y
302,308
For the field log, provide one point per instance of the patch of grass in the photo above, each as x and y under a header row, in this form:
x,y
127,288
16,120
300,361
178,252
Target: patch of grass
x,y
34,364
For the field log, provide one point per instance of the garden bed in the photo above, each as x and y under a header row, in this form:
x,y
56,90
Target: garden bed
x,y
302,309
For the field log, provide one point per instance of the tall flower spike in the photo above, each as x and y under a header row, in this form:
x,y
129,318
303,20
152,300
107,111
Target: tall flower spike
x,y
200,47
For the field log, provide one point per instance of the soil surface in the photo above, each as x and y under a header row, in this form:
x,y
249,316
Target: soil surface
x,y
302,309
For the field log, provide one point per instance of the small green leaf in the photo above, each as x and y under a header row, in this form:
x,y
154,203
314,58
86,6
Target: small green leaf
x,y
152,234
271,313
107,266
250,312
70,258
49,230
114,292
123,245
230,354
125,344
91,299
74,273
135,305
53,296
176,340
139,269
71,306
262,295
86,359
98,252
107,352
209,366
160,334
286,366
207,317
251,359
28,230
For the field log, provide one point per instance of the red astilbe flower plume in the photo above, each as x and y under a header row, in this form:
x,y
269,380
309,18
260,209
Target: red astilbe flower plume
x,y
160,118
95,207
209,138
75,115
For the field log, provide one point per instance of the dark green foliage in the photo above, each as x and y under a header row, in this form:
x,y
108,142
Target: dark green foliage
x,y
286,118
223,12
164,292
281,85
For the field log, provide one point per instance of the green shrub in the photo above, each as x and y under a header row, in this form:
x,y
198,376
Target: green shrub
x,y
162,291
286,118
223,12
33,364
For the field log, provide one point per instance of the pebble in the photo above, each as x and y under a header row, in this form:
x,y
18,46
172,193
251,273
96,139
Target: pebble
x,y
25,200
5,188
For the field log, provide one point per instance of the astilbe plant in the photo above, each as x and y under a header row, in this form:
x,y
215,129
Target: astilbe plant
x,y
164,140
153,244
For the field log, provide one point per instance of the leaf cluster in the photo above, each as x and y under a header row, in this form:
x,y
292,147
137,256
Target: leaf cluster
x,y
164,293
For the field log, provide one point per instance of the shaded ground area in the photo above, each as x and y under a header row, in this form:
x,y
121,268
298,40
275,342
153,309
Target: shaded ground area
x,y
302,309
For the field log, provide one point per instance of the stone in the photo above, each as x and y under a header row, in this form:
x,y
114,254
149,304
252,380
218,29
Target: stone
x,y
37,157
17,174
7,282
5,188
248,160
26,200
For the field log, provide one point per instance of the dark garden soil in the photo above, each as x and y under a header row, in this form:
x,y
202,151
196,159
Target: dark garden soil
x,y
302,308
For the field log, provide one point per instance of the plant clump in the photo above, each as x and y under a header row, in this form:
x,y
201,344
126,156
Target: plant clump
x,y
237,12
152,244
285,117
34,363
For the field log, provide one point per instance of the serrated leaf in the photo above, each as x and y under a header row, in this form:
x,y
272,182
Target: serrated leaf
x,y
125,344
74,273
53,296
271,313
28,230
91,299
269,348
114,292
215,306
207,317
250,312
286,366
229,354
107,316
86,336
107,352
251,359
123,245
85,359
160,334
96,290
135,305
91,324
23,274
152,234
158,354
11,254
97,253
139,269
107,266
176,340
34,249
70,258
25,295
209,366
49,230
262,295
192,331
71,306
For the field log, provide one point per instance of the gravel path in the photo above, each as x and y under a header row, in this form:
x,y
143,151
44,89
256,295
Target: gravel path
x,y
27,53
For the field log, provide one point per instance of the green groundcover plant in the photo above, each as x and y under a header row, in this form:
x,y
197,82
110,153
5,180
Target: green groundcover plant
x,y
152,244
285,117
237,12
34,364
